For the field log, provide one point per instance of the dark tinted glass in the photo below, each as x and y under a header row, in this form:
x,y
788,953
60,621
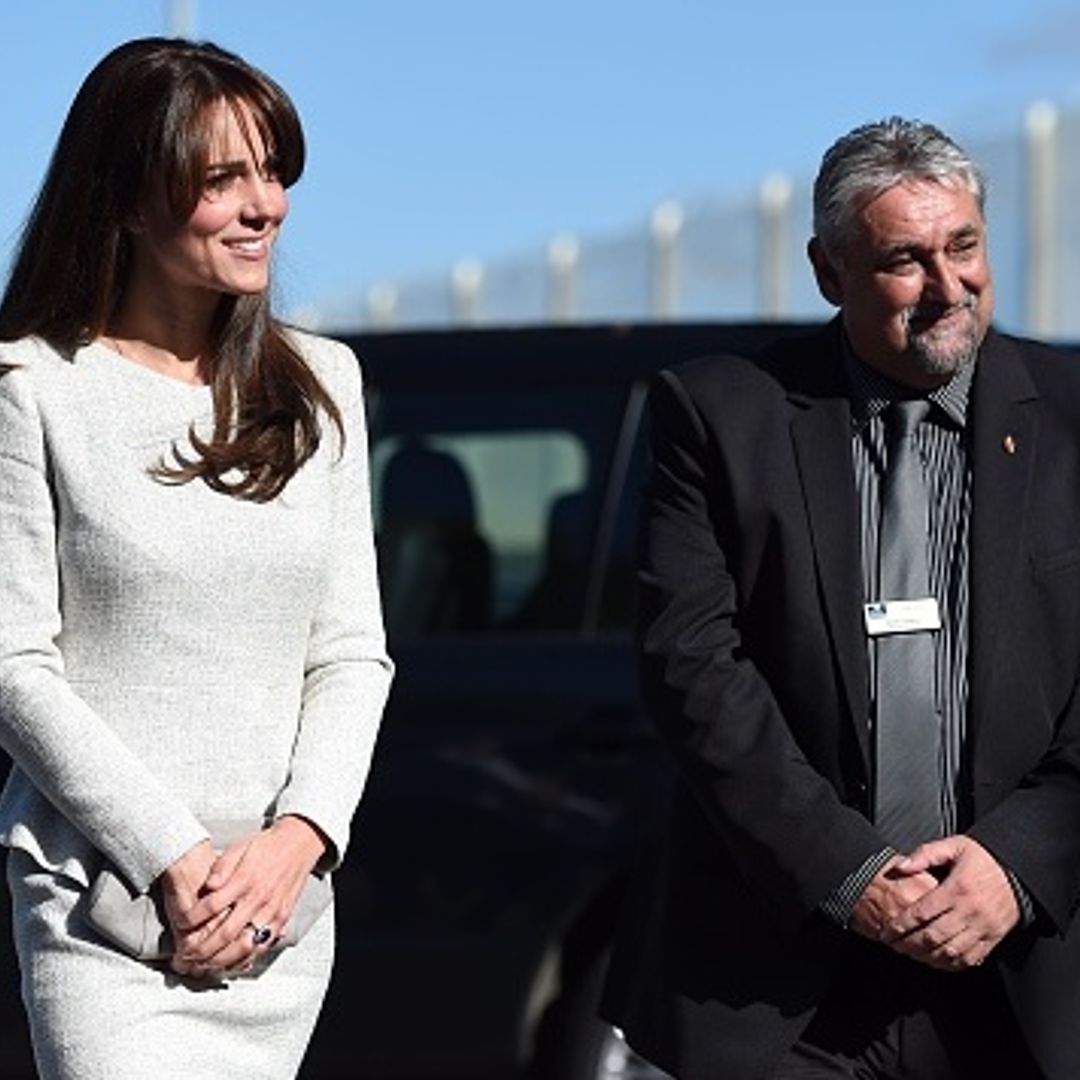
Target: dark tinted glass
x,y
486,506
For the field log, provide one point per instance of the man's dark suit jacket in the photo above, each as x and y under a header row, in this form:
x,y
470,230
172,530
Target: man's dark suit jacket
x,y
753,662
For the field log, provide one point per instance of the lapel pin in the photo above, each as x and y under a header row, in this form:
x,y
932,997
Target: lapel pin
x,y
1009,443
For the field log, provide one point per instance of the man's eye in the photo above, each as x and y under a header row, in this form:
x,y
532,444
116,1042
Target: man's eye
x,y
897,264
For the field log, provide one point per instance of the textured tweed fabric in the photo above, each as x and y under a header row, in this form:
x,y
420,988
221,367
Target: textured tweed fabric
x,y
96,1015
169,655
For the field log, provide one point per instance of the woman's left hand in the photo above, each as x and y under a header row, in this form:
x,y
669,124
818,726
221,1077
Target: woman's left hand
x,y
256,881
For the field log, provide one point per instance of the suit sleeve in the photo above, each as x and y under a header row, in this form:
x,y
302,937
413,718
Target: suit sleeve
x,y
347,672
1026,693
1035,830
791,838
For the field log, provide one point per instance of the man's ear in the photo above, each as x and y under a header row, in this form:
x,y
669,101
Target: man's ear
x,y
828,280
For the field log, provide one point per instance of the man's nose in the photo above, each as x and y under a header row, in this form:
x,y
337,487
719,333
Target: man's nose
x,y
943,282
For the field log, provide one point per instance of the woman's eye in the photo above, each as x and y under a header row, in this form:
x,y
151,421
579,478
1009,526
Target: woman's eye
x,y
218,182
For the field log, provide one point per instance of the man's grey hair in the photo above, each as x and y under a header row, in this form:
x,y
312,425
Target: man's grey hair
x,y
872,158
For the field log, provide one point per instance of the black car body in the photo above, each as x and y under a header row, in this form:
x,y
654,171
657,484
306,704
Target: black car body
x,y
516,774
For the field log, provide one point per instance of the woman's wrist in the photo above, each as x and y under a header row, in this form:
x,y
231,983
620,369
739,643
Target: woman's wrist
x,y
312,841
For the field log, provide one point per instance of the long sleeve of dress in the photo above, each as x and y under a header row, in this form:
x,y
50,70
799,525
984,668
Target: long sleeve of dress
x,y
347,672
71,756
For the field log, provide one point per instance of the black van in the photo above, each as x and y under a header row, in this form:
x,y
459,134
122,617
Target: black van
x,y
516,774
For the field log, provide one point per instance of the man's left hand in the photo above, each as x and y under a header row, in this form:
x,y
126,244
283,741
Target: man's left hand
x,y
956,925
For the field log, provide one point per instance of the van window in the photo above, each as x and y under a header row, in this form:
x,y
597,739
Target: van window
x,y
485,507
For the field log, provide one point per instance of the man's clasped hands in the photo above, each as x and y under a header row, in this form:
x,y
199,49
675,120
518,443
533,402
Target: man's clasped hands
x,y
947,904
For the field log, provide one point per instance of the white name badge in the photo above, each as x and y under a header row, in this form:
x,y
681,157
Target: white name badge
x,y
902,616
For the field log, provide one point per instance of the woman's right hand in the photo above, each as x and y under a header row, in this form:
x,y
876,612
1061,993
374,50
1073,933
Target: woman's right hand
x,y
182,885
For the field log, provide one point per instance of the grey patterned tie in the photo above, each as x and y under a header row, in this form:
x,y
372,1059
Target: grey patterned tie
x,y
907,803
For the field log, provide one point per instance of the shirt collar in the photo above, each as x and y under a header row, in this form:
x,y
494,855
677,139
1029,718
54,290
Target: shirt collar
x,y
872,393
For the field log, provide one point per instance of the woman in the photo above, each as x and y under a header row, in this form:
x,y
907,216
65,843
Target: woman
x,y
190,634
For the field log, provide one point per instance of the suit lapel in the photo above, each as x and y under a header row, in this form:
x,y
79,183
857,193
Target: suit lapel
x,y
1004,432
821,434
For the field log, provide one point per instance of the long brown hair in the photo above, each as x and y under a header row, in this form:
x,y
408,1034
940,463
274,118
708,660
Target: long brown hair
x,y
139,122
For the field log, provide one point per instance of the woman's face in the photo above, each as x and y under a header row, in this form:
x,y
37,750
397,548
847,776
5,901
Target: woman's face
x,y
224,247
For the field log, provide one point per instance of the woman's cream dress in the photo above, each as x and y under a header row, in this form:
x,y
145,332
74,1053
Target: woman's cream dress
x,y
169,656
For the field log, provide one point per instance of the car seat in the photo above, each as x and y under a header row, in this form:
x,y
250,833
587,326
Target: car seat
x,y
434,565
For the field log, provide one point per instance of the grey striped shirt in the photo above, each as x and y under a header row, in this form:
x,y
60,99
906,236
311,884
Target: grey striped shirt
x,y
942,443
942,447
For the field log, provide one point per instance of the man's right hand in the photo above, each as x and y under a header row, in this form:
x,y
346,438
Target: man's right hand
x,y
887,895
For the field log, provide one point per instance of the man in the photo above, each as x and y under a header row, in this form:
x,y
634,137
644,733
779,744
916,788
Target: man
x,y
860,638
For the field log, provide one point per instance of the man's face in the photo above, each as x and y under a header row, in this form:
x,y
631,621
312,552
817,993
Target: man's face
x,y
913,283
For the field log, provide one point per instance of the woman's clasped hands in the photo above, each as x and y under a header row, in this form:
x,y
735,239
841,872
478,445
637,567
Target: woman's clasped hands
x,y
226,909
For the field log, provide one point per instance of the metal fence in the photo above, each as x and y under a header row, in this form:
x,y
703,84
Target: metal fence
x,y
742,256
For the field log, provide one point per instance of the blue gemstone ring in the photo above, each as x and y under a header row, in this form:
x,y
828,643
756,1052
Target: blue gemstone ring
x,y
260,935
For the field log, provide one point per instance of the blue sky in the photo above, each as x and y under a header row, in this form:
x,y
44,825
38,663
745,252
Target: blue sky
x,y
480,128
